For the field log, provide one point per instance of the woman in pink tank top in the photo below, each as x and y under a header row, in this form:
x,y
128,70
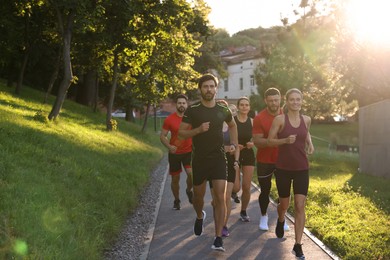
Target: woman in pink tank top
x,y
291,133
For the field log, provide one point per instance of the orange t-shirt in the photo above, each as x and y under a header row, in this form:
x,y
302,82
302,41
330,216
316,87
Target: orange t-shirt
x,y
261,125
172,123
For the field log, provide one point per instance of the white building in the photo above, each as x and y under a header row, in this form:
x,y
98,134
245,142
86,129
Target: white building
x,y
240,66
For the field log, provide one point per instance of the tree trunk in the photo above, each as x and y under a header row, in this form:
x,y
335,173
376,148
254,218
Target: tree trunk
x,y
96,97
68,75
54,75
11,73
143,130
129,114
19,84
112,92
155,118
86,91
18,88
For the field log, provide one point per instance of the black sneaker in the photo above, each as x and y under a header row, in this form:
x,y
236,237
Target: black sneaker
x,y
198,226
189,195
176,204
244,217
235,197
279,230
218,244
297,251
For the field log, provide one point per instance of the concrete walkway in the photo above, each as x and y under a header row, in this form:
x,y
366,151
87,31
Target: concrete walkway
x,y
172,237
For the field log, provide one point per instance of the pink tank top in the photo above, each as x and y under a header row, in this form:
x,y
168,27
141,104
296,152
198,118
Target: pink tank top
x,y
292,157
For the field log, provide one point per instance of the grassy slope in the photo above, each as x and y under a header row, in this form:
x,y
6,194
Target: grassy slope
x,y
66,186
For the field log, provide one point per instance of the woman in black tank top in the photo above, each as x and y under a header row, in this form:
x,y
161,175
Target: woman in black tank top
x,y
247,155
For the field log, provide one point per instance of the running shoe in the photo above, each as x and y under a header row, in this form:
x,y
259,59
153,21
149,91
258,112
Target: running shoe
x,y
198,226
176,204
286,227
279,230
244,217
263,225
235,197
297,251
218,244
189,195
225,232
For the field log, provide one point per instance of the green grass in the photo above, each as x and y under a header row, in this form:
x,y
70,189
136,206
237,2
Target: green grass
x,y
347,210
67,186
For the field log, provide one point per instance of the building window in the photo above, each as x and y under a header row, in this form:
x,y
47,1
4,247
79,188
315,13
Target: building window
x,y
252,80
241,83
226,85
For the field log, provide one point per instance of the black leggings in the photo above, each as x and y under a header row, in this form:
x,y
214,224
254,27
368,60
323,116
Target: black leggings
x,y
264,177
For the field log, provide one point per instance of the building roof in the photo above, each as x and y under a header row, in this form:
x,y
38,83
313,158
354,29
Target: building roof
x,y
236,58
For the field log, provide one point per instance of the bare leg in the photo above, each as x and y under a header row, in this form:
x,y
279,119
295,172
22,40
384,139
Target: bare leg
x,y
219,189
237,182
198,200
300,217
247,174
228,201
189,179
282,208
175,186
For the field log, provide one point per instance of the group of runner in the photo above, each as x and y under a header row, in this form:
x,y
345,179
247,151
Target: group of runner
x,y
213,144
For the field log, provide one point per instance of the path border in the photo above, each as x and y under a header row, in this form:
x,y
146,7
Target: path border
x,y
149,236
306,231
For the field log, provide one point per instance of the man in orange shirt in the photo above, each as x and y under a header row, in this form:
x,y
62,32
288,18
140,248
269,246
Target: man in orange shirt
x,y
179,150
266,156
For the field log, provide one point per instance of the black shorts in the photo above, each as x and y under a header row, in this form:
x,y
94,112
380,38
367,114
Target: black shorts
x,y
265,170
208,169
299,179
247,157
177,161
231,172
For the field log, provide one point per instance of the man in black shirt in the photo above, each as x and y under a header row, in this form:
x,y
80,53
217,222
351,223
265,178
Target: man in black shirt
x,y
203,123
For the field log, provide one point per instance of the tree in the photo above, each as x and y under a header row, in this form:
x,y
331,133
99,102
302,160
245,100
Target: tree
x,y
364,66
305,59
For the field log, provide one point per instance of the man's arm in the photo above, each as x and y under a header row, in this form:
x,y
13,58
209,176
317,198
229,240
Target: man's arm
x,y
164,140
186,132
259,140
233,134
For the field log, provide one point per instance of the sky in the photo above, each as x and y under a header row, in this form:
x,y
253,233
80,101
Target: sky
x,y
237,15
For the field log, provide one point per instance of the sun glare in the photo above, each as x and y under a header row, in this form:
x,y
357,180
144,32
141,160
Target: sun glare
x,y
369,21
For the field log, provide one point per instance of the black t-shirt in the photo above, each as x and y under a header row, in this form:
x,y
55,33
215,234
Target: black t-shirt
x,y
208,144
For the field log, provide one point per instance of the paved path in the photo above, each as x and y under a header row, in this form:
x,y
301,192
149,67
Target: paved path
x,y
173,238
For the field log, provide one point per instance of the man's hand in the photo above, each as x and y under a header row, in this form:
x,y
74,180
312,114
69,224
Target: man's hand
x,y
204,127
172,149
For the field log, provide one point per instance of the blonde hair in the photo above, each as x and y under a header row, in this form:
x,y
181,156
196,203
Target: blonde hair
x,y
293,90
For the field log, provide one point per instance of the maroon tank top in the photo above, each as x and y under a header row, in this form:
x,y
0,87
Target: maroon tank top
x,y
292,157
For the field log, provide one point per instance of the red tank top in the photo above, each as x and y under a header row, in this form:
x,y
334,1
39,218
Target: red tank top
x,y
292,157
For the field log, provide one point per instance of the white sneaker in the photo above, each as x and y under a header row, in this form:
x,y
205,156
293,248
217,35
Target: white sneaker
x,y
286,227
263,223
